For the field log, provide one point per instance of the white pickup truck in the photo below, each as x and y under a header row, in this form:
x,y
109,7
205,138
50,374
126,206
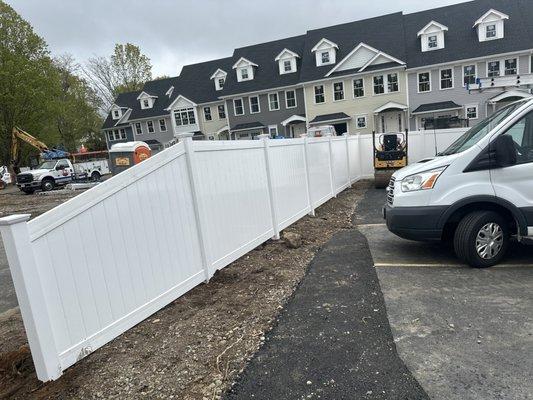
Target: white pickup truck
x,y
54,173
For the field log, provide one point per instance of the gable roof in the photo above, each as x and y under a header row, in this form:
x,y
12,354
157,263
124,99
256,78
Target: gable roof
x,y
266,75
461,39
124,101
384,33
491,11
285,51
329,43
157,89
429,24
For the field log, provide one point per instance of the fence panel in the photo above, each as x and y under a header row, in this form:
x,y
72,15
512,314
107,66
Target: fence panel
x,y
319,171
340,164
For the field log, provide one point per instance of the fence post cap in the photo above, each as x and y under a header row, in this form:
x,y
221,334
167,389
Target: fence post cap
x,y
14,219
183,135
263,136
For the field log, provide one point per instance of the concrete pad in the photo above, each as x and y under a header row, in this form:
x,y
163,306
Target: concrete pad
x,y
389,250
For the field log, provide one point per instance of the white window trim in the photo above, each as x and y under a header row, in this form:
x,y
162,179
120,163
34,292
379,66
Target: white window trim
x,y
148,128
365,116
364,89
235,108
273,126
323,94
295,100
386,83
186,109
218,112
203,112
466,106
141,126
502,65
165,123
333,91
258,105
268,99
463,72
118,113
248,71
418,82
440,78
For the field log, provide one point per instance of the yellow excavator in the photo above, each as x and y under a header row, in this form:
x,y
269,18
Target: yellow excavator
x,y
19,135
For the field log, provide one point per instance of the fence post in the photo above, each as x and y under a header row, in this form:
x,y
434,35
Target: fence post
x,y
360,158
330,158
266,145
198,214
30,296
308,173
348,159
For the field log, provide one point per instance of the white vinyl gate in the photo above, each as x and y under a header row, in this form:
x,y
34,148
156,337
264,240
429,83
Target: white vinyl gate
x,y
93,267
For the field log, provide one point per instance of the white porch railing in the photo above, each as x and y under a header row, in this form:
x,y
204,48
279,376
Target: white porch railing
x,y
503,81
93,267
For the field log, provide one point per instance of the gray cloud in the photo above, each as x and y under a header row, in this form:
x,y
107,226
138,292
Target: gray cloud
x,y
175,33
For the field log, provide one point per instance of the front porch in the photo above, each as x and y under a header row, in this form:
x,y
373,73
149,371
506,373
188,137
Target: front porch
x,y
338,120
294,126
440,115
390,118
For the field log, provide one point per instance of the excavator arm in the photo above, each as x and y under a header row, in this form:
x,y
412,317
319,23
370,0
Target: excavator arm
x,y
18,134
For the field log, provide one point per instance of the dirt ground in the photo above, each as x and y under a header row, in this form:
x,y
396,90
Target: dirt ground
x,y
197,346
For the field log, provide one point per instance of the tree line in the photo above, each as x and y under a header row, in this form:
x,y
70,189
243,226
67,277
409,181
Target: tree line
x,y
53,97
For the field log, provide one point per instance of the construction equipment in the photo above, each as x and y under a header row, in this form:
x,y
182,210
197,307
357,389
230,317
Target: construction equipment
x,y
390,154
46,153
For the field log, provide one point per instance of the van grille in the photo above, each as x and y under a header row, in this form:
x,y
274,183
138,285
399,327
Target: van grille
x,y
24,178
390,191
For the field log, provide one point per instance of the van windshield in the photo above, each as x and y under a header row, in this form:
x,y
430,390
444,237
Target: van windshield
x,y
475,134
47,165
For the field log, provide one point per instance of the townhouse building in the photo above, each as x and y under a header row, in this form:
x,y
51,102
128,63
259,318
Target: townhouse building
x,y
440,68
467,60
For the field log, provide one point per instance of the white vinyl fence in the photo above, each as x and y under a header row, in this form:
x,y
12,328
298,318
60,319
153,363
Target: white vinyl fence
x,y
95,266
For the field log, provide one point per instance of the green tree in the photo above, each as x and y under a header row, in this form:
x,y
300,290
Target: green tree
x,y
28,80
126,70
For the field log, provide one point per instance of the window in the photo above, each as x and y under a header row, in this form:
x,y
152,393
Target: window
x,y
319,94
110,136
221,112
358,88
184,116
287,66
120,134
446,78
491,31
254,105
360,121
238,108
379,85
221,82
207,114
392,83
273,102
244,74
522,134
116,114
162,125
471,111
493,69
324,56
150,126
138,128
424,82
469,74
511,67
273,131
290,99
432,42
338,91
146,103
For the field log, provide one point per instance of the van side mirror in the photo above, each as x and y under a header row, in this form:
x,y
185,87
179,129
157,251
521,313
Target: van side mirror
x,y
505,151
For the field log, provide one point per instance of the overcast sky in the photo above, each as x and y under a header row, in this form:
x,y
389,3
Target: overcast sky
x,y
179,32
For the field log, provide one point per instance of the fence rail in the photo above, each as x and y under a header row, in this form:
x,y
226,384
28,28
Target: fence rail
x,y
93,267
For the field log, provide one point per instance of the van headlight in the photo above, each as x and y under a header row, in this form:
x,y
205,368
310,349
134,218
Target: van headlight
x,y
421,181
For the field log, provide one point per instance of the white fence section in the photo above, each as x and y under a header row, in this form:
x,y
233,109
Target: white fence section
x,y
100,263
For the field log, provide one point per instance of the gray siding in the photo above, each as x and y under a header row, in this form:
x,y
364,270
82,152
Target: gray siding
x,y
265,116
129,136
162,137
458,94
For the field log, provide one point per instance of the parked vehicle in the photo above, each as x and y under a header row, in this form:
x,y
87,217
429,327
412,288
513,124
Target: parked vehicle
x,y
390,154
478,193
5,176
322,130
53,173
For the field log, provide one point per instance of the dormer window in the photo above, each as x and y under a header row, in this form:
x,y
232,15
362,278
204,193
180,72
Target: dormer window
x,y
146,103
432,36
220,78
286,61
490,26
147,100
244,69
116,114
325,52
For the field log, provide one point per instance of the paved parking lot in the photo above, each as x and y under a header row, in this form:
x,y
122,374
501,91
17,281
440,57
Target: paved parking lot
x,y
464,333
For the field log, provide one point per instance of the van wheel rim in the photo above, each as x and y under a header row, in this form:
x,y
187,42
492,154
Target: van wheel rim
x,y
489,241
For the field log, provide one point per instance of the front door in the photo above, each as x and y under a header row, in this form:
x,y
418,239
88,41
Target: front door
x,y
391,122
515,183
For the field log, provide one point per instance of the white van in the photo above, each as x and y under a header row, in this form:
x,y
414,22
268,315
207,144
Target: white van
x,y
477,193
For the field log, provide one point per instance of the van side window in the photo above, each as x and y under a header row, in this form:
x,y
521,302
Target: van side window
x,y
522,134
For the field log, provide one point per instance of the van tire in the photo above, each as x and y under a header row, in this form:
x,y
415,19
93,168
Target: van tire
x,y
466,236
47,184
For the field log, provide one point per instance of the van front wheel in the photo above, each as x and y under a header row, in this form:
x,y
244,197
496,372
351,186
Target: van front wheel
x,y
481,239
